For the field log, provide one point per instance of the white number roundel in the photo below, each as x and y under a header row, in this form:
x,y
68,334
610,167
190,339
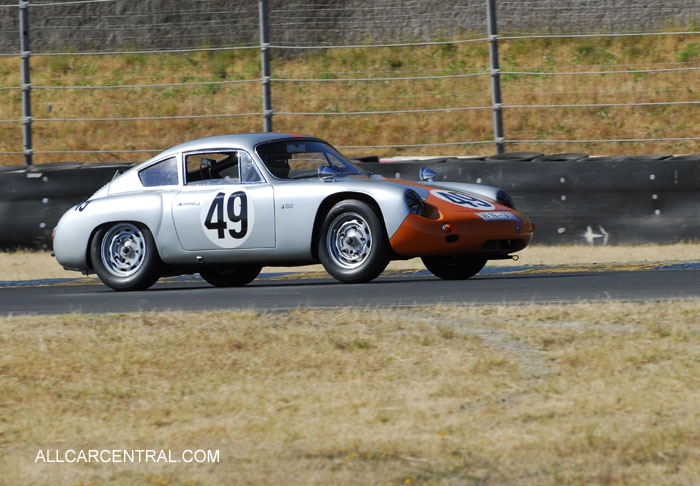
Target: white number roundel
x,y
464,200
227,219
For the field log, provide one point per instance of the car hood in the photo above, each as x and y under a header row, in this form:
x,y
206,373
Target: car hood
x,y
488,192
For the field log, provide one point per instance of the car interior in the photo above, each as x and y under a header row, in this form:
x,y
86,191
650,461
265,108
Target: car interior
x,y
202,168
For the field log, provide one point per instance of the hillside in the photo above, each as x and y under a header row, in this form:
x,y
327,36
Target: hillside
x,y
328,96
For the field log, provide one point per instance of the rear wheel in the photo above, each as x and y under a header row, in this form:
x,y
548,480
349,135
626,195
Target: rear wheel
x,y
353,247
236,276
124,256
458,267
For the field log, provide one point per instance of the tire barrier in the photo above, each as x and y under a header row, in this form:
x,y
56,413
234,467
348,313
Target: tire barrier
x,y
33,199
692,157
587,200
572,198
513,156
569,157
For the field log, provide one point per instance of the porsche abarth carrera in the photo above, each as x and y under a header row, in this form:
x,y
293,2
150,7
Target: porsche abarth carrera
x,y
226,206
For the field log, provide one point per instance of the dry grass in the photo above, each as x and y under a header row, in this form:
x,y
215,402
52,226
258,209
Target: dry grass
x,y
547,395
529,124
34,265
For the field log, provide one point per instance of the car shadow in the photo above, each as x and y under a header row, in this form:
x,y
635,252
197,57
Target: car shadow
x,y
264,283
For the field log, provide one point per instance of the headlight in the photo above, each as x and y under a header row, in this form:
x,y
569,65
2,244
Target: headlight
x,y
503,198
416,205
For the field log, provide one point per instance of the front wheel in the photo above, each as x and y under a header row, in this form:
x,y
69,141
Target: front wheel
x,y
124,256
454,267
231,276
353,247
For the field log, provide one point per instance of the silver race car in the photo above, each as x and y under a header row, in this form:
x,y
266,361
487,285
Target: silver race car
x,y
226,206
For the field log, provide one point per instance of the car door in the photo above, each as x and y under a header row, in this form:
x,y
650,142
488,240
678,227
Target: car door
x,y
225,204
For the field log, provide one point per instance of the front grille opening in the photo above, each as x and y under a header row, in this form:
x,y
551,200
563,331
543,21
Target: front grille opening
x,y
431,212
452,238
415,203
503,198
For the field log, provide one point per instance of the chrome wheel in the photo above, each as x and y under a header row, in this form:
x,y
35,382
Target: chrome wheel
x,y
123,250
349,240
353,246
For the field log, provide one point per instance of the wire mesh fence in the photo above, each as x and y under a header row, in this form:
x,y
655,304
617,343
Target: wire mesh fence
x,y
111,78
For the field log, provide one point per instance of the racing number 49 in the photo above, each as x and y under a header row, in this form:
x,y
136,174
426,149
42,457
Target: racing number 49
x,y
464,200
236,213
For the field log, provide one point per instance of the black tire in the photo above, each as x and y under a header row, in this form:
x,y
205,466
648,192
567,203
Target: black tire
x,y
458,267
353,246
236,276
567,157
514,157
125,257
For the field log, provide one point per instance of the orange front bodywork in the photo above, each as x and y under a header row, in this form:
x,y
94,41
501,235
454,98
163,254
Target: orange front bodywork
x,y
425,236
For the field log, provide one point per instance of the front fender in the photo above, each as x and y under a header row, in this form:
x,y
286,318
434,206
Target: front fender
x,y
389,197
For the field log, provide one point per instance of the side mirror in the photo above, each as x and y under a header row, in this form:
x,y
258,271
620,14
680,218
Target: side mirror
x,y
326,173
427,175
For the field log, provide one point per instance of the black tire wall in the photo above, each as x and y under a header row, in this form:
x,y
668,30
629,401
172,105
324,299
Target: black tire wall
x,y
33,199
571,198
587,200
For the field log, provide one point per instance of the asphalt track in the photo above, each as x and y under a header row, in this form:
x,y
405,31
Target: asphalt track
x,y
284,291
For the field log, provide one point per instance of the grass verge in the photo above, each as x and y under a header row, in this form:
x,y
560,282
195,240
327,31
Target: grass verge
x,y
550,395
32,265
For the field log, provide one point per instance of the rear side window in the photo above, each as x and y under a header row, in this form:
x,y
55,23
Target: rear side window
x,y
163,173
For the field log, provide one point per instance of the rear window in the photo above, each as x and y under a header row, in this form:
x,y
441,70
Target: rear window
x,y
163,173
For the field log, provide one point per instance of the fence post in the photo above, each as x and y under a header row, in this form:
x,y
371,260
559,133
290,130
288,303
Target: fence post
x,y
26,81
495,75
265,63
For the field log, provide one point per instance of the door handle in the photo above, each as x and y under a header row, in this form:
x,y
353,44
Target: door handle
x,y
188,204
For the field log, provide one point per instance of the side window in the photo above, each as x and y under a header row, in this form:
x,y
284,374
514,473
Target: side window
x,y
249,173
163,173
232,167
212,168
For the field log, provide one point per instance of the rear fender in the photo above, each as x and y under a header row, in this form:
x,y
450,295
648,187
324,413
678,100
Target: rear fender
x,y
75,229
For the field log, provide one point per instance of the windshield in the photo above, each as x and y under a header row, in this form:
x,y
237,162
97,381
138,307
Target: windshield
x,y
296,159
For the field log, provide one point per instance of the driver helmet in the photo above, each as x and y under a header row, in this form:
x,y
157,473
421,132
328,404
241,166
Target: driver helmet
x,y
279,166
